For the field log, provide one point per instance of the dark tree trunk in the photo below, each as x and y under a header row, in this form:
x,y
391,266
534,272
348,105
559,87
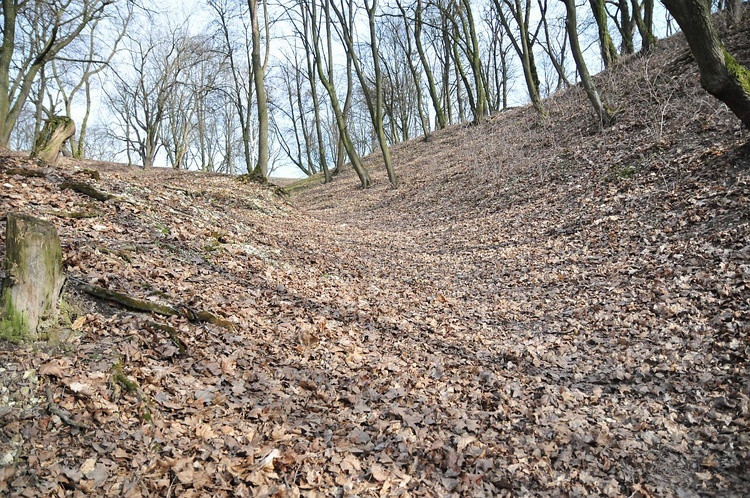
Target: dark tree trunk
x,y
721,75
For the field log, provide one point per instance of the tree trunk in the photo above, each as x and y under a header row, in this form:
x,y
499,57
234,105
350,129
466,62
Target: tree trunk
x,y
608,49
644,29
261,168
377,115
721,75
431,86
34,279
56,131
327,81
571,26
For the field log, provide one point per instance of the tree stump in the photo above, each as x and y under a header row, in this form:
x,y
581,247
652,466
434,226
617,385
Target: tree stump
x,y
33,281
56,131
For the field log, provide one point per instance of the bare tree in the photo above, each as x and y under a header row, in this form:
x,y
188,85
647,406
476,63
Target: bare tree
x,y
571,24
142,96
325,74
259,71
374,102
520,14
23,53
232,26
607,46
64,68
497,67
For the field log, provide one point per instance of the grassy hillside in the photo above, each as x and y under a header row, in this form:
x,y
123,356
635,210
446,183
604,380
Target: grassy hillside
x,y
541,309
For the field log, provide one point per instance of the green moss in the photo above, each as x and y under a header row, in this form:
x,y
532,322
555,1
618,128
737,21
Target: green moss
x,y
69,312
119,378
622,172
737,70
14,326
51,126
146,414
162,229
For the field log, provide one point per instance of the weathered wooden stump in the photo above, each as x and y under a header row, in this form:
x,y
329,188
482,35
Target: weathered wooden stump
x,y
56,131
34,278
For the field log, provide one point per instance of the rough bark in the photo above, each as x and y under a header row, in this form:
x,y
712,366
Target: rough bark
x,y
571,26
34,279
608,49
721,75
56,131
261,168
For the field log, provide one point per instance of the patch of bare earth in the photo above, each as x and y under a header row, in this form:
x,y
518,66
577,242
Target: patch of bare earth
x,y
540,309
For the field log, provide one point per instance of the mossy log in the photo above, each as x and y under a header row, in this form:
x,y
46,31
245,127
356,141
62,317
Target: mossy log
x,y
29,173
34,279
150,307
86,189
125,300
56,131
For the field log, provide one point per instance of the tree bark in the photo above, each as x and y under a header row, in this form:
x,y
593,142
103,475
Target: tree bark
x,y
34,279
608,49
56,131
721,75
259,69
571,26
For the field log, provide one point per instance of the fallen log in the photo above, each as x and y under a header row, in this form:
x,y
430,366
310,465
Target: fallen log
x,y
172,333
128,302
86,189
150,307
29,173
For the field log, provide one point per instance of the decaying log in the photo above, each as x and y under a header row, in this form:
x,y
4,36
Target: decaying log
x,y
34,279
128,302
74,215
29,173
56,131
149,307
86,189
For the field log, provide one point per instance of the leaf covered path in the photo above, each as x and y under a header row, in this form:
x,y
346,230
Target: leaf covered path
x,y
539,310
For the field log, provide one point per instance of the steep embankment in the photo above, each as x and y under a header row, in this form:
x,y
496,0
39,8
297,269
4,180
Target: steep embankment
x,y
539,309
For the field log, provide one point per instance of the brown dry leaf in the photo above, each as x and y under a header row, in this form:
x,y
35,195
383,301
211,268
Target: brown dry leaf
x,y
78,323
80,388
267,462
56,367
88,466
204,431
379,473
351,464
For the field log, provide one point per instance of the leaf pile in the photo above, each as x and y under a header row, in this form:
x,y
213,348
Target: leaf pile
x,y
538,310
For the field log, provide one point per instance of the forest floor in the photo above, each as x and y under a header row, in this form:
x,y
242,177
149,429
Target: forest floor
x,y
541,308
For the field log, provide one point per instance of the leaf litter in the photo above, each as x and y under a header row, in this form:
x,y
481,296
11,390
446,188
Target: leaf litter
x,y
538,310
